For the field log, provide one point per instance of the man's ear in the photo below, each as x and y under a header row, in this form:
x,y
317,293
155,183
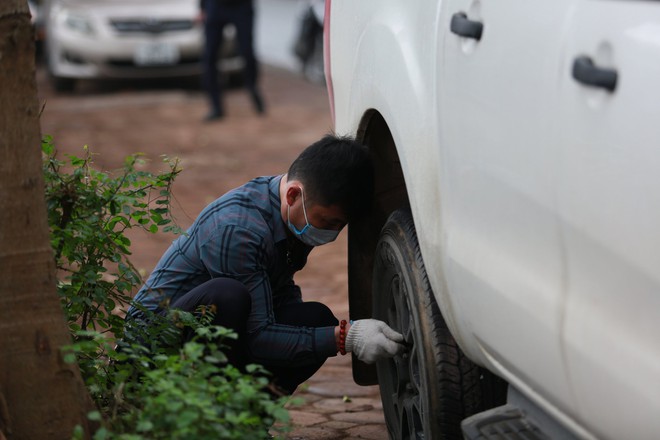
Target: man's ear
x,y
292,194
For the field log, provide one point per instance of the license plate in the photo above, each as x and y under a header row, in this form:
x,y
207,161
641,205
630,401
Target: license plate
x,y
156,54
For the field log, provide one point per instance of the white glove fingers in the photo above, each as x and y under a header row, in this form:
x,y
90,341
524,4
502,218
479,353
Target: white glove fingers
x,y
372,339
393,334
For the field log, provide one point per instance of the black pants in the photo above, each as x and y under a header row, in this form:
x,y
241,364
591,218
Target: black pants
x,y
218,15
233,306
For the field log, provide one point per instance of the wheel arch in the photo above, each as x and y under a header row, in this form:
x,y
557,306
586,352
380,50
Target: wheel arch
x,y
390,194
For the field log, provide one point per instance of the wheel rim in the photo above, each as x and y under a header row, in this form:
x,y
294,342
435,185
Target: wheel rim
x,y
403,383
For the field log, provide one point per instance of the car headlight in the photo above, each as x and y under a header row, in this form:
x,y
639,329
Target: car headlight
x,y
79,23
74,21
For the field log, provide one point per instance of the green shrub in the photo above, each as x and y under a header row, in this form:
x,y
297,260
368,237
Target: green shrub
x,y
178,392
89,212
160,388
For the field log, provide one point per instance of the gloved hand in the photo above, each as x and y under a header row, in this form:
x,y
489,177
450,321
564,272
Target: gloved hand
x,y
372,340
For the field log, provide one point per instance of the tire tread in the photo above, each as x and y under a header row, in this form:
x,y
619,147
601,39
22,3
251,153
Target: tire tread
x,y
462,388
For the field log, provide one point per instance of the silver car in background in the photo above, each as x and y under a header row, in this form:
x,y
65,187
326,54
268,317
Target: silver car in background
x,y
87,39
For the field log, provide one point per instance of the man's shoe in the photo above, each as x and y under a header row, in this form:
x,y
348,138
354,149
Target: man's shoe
x,y
275,391
258,102
213,115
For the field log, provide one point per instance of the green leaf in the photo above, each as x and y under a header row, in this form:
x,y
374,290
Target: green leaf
x,y
144,426
47,145
94,416
281,414
101,434
78,433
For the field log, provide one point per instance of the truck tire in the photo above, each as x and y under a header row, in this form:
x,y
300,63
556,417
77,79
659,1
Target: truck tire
x,y
428,390
61,84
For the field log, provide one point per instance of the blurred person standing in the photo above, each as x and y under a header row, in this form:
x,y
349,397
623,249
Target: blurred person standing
x,y
216,14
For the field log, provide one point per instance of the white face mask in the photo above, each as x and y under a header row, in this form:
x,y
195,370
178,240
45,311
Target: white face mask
x,y
310,235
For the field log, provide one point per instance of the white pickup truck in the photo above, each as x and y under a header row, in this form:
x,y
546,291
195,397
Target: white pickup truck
x,y
515,239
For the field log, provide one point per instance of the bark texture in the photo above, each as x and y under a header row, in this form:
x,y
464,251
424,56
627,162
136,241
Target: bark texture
x,y
41,397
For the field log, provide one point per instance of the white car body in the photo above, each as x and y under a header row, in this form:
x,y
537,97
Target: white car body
x,y
536,197
127,39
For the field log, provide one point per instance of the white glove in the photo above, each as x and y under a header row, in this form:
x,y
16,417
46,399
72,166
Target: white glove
x,y
372,340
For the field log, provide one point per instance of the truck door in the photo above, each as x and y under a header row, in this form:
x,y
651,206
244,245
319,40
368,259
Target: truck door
x,y
609,187
498,77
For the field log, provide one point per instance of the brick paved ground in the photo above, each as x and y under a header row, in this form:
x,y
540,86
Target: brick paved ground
x,y
336,408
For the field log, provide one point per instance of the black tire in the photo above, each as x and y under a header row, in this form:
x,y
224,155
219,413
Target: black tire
x,y
433,386
58,83
61,84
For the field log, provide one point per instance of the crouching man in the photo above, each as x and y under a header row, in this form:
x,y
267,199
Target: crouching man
x,y
242,251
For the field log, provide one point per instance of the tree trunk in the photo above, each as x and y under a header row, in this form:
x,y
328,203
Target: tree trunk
x,y
41,397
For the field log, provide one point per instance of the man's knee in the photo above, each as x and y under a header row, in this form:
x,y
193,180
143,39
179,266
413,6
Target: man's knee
x,y
228,290
225,293
323,314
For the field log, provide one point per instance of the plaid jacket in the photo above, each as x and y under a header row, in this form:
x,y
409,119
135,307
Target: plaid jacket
x,y
242,236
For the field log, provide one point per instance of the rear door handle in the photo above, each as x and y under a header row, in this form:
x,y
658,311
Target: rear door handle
x,y
463,26
586,72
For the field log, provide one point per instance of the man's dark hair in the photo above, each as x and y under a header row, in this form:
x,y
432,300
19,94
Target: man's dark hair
x,y
336,170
